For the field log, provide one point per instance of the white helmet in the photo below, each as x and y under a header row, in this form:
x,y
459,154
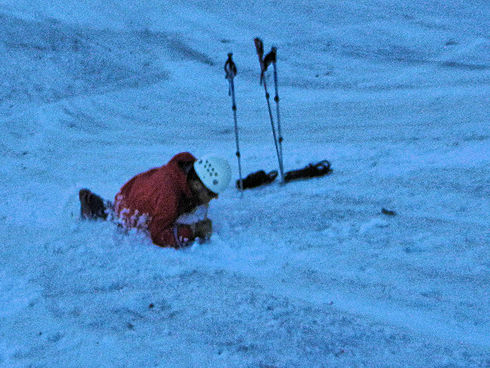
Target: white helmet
x,y
214,172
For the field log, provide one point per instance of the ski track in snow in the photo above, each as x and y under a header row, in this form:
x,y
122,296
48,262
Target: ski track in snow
x,y
310,274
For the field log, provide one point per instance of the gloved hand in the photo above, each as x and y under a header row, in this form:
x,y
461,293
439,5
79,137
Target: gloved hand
x,y
203,229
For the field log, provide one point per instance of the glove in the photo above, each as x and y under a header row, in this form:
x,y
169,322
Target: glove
x,y
203,229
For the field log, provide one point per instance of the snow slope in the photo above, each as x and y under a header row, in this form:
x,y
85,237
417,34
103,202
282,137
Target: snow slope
x,y
310,274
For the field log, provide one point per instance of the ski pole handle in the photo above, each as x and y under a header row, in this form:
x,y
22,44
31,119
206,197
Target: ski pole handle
x,y
259,46
230,67
270,58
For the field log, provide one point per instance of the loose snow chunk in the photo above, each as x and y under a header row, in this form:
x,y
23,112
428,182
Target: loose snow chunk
x,y
373,225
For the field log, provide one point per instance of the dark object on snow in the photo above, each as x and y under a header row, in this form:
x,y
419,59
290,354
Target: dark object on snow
x,y
257,179
384,211
92,206
311,171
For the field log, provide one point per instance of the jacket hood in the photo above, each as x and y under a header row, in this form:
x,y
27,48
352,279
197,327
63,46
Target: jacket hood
x,y
182,158
176,165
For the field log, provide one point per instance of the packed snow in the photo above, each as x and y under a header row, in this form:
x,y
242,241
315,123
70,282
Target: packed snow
x,y
395,94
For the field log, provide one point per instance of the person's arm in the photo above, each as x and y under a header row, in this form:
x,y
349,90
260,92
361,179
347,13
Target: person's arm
x,y
179,235
164,231
173,235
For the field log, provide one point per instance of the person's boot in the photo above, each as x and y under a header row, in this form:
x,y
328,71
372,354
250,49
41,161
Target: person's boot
x,y
91,205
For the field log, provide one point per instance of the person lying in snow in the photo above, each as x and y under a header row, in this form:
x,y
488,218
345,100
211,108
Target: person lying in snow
x,y
162,201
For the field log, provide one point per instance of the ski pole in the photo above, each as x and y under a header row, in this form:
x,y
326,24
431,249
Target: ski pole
x,y
273,54
231,71
260,52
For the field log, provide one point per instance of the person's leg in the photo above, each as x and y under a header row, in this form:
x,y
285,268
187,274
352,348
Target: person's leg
x,y
92,206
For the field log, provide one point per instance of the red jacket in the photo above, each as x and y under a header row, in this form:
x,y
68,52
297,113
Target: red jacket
x,y
153,200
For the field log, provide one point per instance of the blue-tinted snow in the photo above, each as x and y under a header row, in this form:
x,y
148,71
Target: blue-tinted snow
x,y
311,274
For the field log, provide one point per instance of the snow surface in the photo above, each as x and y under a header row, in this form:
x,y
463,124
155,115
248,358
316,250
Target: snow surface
x,y
310,274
